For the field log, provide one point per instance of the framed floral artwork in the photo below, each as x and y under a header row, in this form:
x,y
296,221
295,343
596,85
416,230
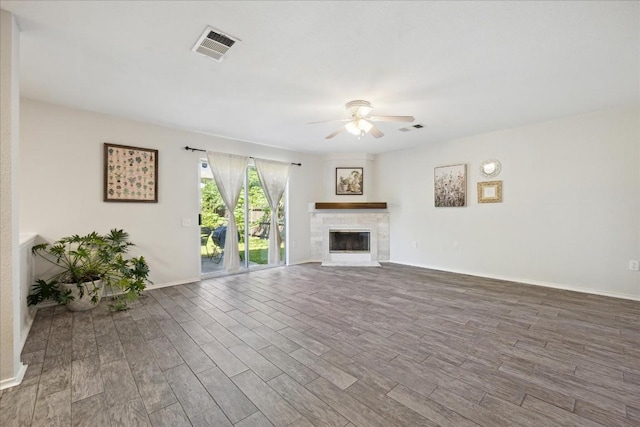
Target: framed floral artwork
x,y
349,181
450,186
130,174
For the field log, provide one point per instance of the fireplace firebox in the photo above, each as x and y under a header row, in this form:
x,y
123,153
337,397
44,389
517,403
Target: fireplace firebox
x,y
349,241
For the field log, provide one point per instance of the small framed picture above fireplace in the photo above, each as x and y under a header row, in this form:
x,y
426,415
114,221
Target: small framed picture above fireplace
x,y
349,182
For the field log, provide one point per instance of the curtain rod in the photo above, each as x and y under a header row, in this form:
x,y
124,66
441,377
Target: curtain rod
x,y
204,151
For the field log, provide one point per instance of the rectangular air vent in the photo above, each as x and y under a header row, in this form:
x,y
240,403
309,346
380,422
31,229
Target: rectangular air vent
x,y
410,128
214,44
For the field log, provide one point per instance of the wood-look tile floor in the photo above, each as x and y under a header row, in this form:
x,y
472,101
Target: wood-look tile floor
x,y
313,346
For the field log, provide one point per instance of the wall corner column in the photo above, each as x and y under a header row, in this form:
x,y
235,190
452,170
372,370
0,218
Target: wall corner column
x,y
11,368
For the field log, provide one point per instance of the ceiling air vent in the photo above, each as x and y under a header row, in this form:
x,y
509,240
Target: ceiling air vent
x,y
410,128
214,44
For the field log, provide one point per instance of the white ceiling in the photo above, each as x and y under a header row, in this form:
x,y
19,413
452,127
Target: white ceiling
x,y
461,68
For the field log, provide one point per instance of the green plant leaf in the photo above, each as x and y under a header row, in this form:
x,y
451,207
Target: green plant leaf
x,y
87,258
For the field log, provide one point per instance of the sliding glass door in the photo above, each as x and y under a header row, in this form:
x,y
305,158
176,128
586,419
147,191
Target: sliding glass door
x,y
259,223
213,220
252,216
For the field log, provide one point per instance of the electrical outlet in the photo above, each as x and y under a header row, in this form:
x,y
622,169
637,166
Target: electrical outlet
x,y
634,265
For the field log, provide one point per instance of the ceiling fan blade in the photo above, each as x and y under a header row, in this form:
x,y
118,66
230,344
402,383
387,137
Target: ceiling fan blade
x,y
327,121
375,132
331,135
391,118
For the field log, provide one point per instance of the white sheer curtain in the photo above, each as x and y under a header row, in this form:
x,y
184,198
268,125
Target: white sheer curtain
x,y
273,177
228,172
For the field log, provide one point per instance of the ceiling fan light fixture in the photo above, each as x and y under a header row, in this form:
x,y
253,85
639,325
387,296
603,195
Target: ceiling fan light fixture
x,y
364,125
360,122
358,127
352,128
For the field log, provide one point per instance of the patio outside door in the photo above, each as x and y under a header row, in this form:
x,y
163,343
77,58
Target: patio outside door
x,y
252,218
259,223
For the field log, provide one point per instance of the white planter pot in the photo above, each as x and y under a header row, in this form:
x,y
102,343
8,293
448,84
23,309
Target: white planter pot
x,y
84,302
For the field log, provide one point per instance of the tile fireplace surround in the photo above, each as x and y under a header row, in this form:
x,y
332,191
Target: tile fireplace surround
x,y
376,221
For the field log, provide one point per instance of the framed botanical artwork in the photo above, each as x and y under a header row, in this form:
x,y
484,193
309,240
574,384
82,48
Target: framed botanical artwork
x,y
349,181
130,174
450,186
490,192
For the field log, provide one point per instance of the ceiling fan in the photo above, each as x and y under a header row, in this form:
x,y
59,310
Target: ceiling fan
x,y
360,122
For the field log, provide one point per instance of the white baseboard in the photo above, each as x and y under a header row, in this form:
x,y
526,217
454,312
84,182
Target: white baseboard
x,y
307,261
12,382
528,282
174,283
23,338
350,264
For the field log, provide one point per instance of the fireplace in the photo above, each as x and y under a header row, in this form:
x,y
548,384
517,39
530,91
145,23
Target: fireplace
x,y
349,241
349,237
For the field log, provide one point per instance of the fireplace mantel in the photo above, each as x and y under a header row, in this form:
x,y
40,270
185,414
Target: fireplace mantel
x,y
351,205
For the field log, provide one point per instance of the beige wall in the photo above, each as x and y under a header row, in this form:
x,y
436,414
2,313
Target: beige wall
x,y
571,211
349,160
570,216
61,185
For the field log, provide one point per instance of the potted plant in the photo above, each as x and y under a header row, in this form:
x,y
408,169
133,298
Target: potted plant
x,y
85,266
